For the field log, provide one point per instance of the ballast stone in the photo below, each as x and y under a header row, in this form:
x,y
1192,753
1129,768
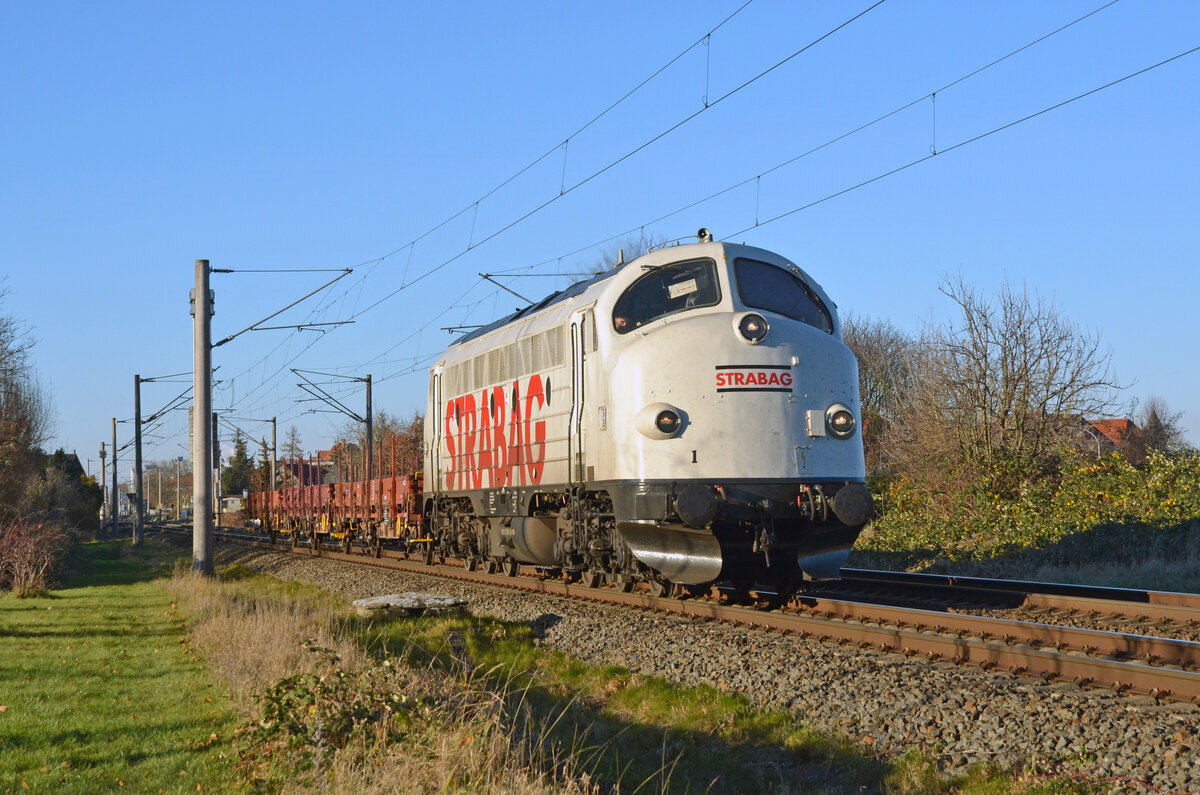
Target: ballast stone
x,y
410,604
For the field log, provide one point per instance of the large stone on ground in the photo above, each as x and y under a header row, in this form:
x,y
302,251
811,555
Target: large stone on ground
x,y
409,604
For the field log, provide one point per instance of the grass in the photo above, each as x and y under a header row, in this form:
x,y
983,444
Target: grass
x,y
99,692
1119,555
142,677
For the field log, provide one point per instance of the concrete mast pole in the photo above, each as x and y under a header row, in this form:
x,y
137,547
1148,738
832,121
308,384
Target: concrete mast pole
x,y
202,310
116,498
103,483
139,516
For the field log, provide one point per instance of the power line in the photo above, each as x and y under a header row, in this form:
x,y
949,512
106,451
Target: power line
x,y
622,158
357,312
975,139
565,191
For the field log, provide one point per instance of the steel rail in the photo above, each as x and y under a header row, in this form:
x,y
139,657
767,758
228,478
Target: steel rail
x,y
1169,651
912,636
1131,602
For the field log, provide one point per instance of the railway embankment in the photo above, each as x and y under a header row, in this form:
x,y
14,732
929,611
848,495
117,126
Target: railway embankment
x,y
886,705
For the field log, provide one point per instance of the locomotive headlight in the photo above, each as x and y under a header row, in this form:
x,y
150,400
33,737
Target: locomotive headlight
x,y
660,421
668,422
753,328
840,421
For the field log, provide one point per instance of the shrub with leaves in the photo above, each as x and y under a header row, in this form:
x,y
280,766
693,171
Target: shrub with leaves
x,y
316,713
1105,500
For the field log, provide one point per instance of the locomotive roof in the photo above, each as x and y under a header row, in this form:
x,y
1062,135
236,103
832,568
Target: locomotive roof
x,y
550,300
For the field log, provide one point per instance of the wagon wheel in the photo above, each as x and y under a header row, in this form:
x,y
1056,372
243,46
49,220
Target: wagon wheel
x,y
378,546
429,553
511,567
592,578
659,587
314,542
295,539
346,544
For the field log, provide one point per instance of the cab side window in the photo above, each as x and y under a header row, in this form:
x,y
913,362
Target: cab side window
x,y
665,291
767,287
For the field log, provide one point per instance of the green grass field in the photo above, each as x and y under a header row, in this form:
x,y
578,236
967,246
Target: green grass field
x,y
98,692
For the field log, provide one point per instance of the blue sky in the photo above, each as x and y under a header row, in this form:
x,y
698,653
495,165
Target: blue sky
x,y
138,137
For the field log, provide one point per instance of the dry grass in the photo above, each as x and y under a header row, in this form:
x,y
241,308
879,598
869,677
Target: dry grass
x,y
253,637
322,714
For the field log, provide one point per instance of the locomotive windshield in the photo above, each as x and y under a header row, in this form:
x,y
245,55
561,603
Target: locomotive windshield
x,y
667,290
763,286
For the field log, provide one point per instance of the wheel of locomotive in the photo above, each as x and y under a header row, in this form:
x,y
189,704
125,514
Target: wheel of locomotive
x,y
471,563
511,567
622,582
659,587
491,566
592,578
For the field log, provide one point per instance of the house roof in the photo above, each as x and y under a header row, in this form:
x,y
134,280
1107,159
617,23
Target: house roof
x,y
1116,431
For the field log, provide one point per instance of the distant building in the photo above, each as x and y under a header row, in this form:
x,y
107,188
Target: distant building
x,y
1118,435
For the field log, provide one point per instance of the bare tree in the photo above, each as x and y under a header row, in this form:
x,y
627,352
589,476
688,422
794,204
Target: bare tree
x,y
292,447
1161,428
293,454
26,414
997,391
627,249
885,356
398,442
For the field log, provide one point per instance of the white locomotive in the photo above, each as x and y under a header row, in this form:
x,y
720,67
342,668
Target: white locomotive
x,y
687,417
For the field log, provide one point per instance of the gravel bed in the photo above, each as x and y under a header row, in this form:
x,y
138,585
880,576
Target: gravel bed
x,y
887,703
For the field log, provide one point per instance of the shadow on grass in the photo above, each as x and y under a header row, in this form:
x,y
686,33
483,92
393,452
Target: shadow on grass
x,y
627,732
1128,545
101,563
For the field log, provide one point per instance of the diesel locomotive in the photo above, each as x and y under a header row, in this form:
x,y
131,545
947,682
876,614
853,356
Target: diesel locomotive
x,y
689,417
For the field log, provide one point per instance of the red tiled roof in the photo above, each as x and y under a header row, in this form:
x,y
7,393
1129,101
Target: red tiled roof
x,y
1116,431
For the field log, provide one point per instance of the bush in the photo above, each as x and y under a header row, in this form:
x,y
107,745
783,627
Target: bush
x,y
30,555
1104,499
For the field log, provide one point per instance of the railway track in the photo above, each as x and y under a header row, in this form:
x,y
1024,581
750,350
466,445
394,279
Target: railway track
x,y
874,610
